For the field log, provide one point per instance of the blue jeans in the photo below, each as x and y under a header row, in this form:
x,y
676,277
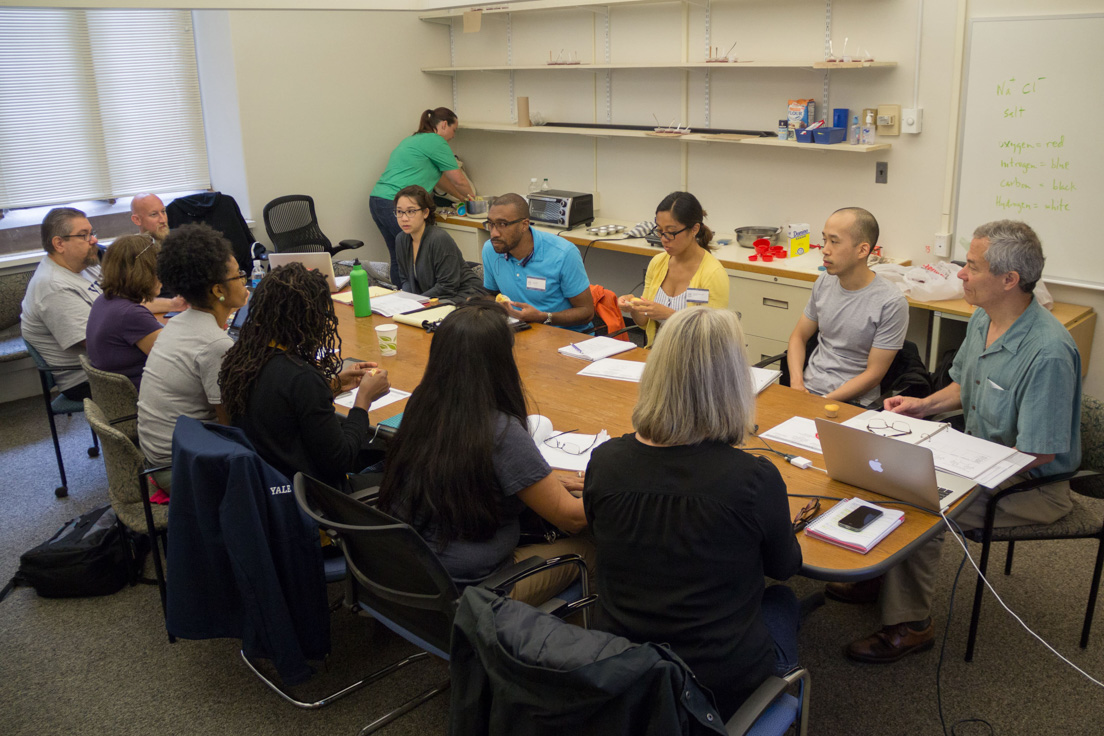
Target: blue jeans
x,y
782,617
383,213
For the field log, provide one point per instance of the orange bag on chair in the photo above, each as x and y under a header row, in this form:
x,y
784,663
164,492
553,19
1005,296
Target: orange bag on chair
x,y
607,315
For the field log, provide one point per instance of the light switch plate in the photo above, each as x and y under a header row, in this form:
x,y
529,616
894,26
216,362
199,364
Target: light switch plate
x,y
912,119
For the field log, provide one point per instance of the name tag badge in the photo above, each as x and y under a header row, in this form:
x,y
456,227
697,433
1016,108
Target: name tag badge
x,y
697,296
532,283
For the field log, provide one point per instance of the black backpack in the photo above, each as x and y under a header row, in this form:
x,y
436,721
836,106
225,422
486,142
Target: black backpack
x,y
90,555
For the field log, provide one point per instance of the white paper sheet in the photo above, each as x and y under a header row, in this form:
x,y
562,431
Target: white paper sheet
x,y
796,431
346,399
578,446
393,304
618,370
763,378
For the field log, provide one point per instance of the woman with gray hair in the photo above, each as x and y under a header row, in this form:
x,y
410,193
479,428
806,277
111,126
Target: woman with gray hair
x,y
687,525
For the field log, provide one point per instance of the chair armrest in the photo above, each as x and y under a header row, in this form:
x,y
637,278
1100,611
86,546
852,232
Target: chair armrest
x,y
984,534
503,580
120,420
744,718
562,609
351,244
772,359
367,496
1092,490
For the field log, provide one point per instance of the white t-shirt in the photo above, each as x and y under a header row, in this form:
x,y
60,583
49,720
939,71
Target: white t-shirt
x,y
180,378
55,314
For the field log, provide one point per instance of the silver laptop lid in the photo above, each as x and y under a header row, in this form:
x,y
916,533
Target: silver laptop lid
x,y
320,262
880,464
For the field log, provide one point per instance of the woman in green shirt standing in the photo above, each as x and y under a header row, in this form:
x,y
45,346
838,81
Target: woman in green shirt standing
x,y
424,159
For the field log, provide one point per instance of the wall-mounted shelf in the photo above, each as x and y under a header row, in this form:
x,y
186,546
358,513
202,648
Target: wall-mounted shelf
x,y
529,6
683,65
690,137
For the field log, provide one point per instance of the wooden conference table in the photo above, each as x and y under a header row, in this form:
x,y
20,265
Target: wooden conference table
x,y
589,405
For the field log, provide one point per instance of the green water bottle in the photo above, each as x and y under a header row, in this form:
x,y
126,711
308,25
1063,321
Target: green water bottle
x,y
358,282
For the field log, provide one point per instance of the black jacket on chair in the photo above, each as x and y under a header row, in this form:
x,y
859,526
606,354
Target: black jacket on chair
x,y
243,561
518,671
221,212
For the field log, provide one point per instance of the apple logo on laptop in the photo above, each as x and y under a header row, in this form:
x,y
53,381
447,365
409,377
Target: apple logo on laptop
x,y
875,465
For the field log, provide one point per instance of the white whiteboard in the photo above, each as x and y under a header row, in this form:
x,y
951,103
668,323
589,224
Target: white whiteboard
x,y
1031,144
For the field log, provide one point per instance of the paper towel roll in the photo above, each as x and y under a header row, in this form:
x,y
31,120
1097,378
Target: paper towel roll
x,y
523,112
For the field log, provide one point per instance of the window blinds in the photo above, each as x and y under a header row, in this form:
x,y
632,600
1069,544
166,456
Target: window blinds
x,y
97,104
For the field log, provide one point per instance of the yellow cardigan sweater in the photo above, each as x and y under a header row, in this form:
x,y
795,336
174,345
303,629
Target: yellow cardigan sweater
x,y
710,275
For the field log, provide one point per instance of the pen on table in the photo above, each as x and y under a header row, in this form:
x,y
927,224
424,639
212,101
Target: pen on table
x,y
577,348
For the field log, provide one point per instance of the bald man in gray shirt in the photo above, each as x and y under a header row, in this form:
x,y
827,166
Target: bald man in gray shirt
x,y
862,317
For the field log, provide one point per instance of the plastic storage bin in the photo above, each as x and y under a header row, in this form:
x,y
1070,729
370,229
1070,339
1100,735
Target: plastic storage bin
x,y
830,135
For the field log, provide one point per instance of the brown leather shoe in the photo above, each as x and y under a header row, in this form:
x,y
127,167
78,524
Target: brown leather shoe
x,y
864,591
890,644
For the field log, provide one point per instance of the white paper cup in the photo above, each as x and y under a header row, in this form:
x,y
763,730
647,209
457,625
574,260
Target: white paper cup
x,y
388,336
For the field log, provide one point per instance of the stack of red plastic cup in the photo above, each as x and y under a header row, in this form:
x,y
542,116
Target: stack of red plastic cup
x,y
766,252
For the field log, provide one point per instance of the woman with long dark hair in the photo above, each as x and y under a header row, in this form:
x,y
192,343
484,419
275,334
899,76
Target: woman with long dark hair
x,y
279,380
686,273
463,467
429,260
425,159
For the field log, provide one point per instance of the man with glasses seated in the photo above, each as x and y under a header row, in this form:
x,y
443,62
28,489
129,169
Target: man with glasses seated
x,y
60,296
861,316
1017,380
541,274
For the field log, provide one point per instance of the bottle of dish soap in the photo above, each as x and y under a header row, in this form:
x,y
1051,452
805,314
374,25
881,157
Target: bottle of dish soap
x,y
854,133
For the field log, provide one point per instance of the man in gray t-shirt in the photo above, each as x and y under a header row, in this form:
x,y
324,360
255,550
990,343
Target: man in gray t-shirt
x,y
60,295
862,318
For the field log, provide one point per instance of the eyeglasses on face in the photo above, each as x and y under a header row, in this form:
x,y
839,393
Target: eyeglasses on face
x,y
407,213
891,429
806,514
668,234
86,237
489,225
242,276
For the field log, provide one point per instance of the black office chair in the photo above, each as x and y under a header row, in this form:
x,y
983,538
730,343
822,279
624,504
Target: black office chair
x,y
399,580
1080,523
517,670
292,227
906,376
58,405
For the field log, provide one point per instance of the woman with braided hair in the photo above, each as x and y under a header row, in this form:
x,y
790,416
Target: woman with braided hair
x,y
279,379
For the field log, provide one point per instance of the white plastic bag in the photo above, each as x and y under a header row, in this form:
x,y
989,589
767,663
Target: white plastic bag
x,y
1042,295
934,282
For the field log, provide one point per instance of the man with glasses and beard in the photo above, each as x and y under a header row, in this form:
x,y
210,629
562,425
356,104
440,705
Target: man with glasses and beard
x,y
60,295
541,274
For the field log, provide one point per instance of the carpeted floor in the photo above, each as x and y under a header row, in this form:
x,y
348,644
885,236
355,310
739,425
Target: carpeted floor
x,y
104,665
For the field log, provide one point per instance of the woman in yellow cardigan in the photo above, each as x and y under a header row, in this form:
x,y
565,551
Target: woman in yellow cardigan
x,y
686,273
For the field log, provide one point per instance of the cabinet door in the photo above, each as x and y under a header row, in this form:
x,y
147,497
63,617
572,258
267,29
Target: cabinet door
x,y
768,308
469,240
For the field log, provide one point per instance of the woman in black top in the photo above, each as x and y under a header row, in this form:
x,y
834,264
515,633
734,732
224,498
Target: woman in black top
x,y
463,467
428,258
279,380
687,525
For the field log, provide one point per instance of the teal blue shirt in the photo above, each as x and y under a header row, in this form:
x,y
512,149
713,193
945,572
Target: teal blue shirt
x,y
1024,390
547,279
418,159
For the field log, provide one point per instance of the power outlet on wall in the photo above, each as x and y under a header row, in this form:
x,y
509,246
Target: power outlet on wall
x,y
942,245
881,172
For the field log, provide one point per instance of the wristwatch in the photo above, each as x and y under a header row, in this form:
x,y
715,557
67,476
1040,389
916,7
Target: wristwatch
x,y
548,319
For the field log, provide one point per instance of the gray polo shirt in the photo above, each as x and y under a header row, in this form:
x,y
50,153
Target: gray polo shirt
x,y
850,324
55,314
1024,390
180,378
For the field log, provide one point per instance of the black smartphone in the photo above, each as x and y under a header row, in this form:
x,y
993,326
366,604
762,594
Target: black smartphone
x,y
860,518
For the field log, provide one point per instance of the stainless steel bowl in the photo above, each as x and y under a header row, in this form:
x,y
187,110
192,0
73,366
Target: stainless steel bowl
x,y
478,206
746,236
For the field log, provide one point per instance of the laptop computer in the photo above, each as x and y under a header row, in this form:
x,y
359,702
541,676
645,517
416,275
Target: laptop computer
x,y
888,466
239,319
320,262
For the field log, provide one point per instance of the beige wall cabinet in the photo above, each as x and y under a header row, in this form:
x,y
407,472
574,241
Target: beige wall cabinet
x,y
768,307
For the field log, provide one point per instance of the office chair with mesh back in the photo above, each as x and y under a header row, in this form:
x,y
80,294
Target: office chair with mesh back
x,y
293,227
58,405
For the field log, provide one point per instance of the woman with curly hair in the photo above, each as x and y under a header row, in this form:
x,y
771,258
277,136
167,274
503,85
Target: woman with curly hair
x,y
121,330
279,380
181,374
462,467
429,260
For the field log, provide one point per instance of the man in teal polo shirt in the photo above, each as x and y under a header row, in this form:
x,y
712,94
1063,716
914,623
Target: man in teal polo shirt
x,y
1017,379
541,274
